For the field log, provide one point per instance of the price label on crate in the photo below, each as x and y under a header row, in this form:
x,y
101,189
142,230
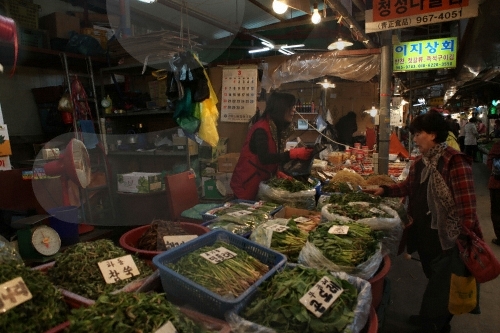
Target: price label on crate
x,y
321,296
118,269
377,211
240,213
167,328
277,227
218,255
302,219
176,240
339,230
13,293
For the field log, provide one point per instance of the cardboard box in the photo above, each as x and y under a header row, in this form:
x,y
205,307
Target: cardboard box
x,y
291,212
209,153
139,182
59,24
180,143
157,89
227,162
216,186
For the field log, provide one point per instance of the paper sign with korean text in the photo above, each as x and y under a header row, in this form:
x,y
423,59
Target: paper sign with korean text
x,y
118,269
277,228
4,141
167,328
339,230
396,14
176,240
425,54
5,163
239,94
321,296
13,293
218,255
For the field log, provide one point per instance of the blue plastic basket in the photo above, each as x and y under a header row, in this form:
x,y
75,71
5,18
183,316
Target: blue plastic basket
x,y
213,220
184,291
208,217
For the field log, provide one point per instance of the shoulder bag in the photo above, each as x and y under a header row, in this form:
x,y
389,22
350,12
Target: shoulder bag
x,y
478,257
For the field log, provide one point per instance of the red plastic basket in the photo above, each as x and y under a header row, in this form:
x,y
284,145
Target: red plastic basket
x,y
129,239
377,281
372,324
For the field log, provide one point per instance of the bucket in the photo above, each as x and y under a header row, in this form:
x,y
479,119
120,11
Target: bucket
x,y
64,220
377,281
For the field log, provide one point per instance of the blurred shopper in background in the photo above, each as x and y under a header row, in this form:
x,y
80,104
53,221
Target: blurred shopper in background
x,y
494,187
471,136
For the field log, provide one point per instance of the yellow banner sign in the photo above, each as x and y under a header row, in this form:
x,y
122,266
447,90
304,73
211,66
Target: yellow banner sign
x,y
425,54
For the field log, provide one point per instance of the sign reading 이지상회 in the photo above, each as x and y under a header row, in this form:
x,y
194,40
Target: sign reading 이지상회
x,y
425,54
397,14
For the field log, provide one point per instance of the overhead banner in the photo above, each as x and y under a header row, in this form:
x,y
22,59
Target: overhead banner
x,y
425,55
392,14
239,94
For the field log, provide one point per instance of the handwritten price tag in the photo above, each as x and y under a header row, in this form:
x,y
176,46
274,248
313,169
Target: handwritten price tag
x,y
321,296
377,211
240,213
173,241
167,328
339,230
277,227
13,293
218,255
118,269
302,219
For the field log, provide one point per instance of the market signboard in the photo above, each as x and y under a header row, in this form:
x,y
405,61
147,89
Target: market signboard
x,y
397,14
425,54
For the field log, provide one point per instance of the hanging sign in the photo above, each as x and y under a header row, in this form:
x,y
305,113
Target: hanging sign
x,y
392,14
239,94
425,54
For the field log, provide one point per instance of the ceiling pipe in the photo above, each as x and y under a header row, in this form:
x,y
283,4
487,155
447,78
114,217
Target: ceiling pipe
x,y
360,4
352,24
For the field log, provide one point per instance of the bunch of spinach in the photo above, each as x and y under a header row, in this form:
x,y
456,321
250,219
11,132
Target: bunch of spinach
x,y
277,303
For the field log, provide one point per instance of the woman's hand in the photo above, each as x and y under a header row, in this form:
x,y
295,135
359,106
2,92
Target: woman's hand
x,y
301,153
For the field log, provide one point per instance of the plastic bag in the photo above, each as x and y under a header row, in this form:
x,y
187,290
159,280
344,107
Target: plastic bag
x,y
361,311
463,287
391,226
208,127
311,256
303,199
8,251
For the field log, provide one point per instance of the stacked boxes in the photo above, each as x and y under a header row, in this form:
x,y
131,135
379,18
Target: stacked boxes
x,y
60,25
139,182
215,182
181,143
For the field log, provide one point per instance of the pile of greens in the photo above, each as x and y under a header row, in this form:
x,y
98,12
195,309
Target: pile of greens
x,y
289,185
342,187
77,270
357,211
277,303
130,313
45,310
351,249
345,198
290,241
229,278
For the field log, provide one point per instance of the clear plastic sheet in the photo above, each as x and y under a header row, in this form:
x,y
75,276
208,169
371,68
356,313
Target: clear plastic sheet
x,y
311,256
361,312
8,252
262,235
303,67
392,227
303,199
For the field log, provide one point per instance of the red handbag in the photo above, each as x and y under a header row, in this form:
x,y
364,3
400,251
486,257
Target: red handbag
x,y
478,257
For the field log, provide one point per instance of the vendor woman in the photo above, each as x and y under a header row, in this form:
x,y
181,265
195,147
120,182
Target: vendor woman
x,y
263,151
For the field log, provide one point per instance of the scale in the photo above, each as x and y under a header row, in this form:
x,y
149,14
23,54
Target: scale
x,y
36,241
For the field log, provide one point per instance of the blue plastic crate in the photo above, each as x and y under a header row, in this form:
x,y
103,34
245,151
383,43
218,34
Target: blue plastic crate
x,y
207,216
183,290
208,223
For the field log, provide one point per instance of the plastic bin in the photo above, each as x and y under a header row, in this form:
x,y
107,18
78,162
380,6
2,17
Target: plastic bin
x,y
377,281
185,291
129,239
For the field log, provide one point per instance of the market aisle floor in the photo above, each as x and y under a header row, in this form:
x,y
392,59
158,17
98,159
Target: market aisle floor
x,y
407,281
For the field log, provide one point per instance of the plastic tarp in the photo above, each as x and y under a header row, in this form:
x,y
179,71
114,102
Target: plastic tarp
x,y
311,66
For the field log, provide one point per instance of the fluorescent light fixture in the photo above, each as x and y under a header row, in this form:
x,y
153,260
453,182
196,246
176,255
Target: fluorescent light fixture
x,y
291,46
285,51
259,50
268,44
147,1
339,44
316,17
280,6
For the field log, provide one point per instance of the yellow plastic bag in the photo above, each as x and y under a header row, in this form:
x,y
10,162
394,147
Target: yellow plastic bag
x,y
463,294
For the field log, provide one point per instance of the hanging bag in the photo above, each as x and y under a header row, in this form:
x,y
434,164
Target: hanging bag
x,y
463,289
495,168
478,257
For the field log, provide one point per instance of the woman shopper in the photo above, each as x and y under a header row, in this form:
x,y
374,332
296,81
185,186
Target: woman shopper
x,y
494,187
441,197
263,151
470,140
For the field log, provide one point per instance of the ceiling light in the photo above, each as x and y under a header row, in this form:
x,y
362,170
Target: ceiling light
x,y
279,6
285,51
326,84
315,18
147,1
339,44
292,46
259,50
373,111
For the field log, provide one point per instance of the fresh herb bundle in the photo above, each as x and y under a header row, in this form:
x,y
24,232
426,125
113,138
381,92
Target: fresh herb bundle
x,y
229,278
357,211
345,198
46,309
77,270
130,313
290,185
277,303
290,241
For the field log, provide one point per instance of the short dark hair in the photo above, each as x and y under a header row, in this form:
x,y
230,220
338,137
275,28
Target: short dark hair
x,y
277,104
431,122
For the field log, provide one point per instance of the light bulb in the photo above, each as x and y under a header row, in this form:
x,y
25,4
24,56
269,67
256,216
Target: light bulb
x,y
373,111
340,44
279,6
316,17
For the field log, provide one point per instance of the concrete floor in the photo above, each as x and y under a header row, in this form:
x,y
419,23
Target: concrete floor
x,y
407,281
